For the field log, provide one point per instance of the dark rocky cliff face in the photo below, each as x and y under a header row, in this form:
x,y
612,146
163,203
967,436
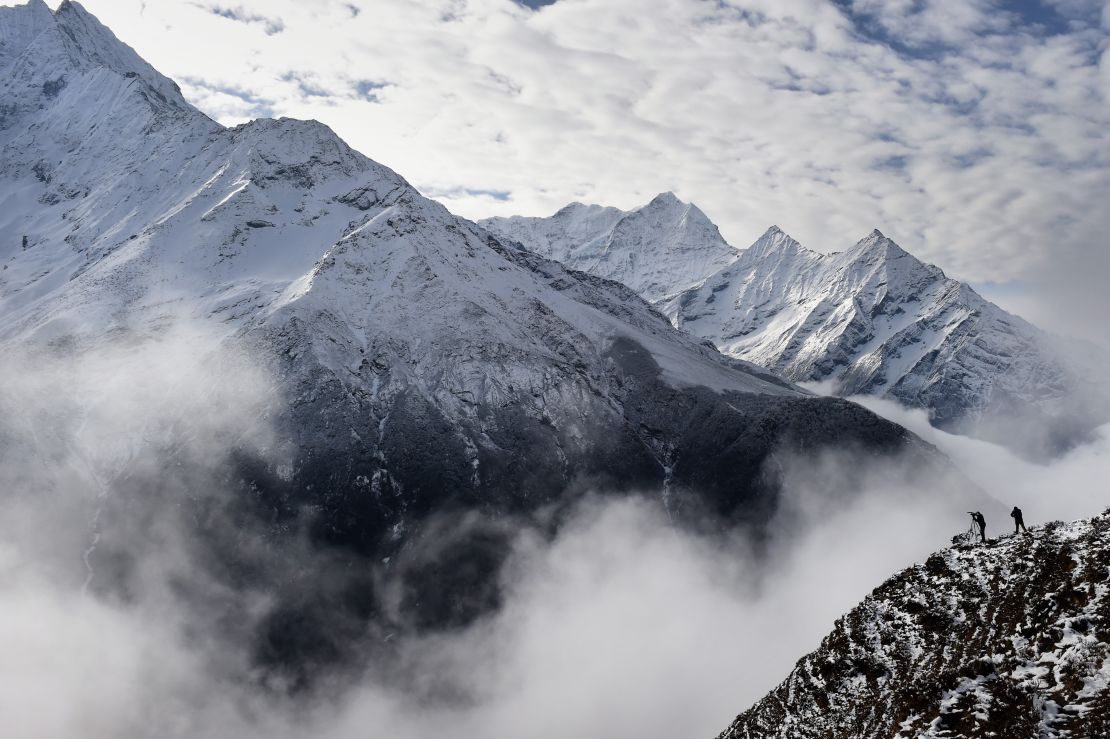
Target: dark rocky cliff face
x,y
1008,639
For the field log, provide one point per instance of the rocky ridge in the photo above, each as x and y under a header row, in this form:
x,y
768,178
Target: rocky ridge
x,y
1008,639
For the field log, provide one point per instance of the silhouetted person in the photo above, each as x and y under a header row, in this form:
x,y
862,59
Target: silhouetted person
x,y
981,522
1018,523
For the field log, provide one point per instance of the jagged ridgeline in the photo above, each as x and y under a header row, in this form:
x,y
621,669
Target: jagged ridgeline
x,y
436,387
871,320
1008,639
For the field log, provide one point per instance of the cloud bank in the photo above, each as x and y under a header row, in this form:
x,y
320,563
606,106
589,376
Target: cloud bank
x,y
1068,488
620,624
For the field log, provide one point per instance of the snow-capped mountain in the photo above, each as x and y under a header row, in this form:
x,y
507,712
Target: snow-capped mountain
x,y
656,250
425,365
876,320
872,320
1007,639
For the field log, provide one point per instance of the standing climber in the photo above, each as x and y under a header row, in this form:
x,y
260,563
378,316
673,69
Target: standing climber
x,y
1018,522
981,522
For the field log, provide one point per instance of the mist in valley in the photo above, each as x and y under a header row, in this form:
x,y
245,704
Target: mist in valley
x,y
119,620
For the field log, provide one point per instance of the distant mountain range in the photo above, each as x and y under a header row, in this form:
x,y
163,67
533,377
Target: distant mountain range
x,y
870,320
427,367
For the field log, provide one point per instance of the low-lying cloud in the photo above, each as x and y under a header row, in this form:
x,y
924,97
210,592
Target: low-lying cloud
x,y
621,624
1069,487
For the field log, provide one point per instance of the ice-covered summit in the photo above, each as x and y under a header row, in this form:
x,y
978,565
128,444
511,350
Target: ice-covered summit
x,y
656,249
774,242
44,52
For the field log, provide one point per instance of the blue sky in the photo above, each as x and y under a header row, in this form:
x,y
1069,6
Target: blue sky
x,y
971,131
1036,17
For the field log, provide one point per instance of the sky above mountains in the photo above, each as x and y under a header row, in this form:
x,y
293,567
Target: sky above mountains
x,y
971,131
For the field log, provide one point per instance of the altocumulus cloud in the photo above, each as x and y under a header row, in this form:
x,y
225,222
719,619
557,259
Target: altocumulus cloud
x,y
969,130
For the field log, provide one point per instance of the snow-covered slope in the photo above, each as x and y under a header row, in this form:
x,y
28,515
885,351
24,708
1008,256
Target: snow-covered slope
x,y
1008,639
870,320
658,249
875,320
425,366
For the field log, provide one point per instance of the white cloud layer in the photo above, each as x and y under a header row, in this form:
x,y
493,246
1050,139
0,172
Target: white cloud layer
x,y
1068,488
623,625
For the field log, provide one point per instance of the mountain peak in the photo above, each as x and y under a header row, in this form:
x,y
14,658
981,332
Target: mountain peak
x,y
687,215
21,24
70,13
877,244
569,208
668,199
81,44
33,6
68,6
875,237
774,241
660,247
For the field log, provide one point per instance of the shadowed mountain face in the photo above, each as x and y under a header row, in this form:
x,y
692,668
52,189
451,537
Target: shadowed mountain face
x,y
433,388
870,320
1005,639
